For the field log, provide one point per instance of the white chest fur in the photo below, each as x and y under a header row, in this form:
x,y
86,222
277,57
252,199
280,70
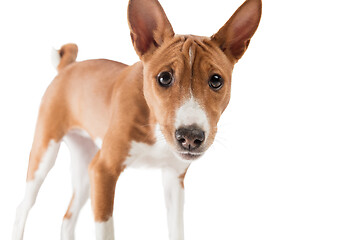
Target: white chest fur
x,y
158,155
142,155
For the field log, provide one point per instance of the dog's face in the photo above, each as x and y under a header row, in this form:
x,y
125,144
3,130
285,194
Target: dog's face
x,y
187,82
187,79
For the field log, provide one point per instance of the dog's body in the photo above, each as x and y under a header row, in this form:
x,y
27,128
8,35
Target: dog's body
x,y
160,112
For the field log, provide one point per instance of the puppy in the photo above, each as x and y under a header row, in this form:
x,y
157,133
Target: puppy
x,y
161,112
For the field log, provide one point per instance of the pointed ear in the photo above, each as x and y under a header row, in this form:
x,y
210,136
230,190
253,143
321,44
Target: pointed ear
x,y
149,26
234,37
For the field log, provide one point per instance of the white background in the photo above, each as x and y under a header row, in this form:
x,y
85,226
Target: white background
x,y
286,164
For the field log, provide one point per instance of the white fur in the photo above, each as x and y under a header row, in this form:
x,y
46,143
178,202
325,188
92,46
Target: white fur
x,y
191,56
159,155
174,200
55,57
105,230
82,150
98,142
68,229
192,113
32,189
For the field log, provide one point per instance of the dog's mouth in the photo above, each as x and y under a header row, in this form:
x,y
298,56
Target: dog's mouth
x,y
188,155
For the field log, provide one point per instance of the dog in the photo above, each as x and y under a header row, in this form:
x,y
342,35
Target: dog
x,y
160,112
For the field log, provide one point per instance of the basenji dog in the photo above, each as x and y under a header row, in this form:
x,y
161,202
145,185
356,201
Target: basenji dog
x,y
160,112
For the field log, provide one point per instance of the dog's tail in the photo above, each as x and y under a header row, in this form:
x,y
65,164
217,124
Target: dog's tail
x,y
65,56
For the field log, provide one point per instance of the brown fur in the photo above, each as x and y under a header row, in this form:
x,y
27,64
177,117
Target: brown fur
x,y
174,55
68,214
182,178
120,103
68,54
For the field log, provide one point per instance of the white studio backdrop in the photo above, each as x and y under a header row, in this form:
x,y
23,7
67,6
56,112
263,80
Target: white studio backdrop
x,y
286,164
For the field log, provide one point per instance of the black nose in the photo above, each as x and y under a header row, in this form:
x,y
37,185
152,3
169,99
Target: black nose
x,y
190,138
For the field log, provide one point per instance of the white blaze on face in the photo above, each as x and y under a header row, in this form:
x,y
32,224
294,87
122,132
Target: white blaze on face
x,y
191,56
191,113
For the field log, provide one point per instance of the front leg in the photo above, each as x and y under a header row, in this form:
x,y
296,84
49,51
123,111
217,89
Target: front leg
x,y
103,177
174,200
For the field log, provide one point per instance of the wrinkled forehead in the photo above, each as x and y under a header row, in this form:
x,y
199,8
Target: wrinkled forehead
x,y
192,54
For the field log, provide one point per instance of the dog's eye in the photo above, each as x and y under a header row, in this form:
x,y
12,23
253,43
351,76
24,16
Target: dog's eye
x,y
216,82
165,79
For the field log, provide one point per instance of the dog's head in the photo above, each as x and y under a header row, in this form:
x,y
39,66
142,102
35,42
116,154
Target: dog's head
x,y
187,79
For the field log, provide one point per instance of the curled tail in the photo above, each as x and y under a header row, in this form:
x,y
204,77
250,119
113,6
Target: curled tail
x,y
65,56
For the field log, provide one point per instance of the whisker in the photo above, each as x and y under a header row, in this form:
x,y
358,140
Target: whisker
x,y
220,142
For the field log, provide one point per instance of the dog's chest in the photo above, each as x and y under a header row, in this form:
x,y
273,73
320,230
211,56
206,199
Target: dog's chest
x,y
158,155
142,155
